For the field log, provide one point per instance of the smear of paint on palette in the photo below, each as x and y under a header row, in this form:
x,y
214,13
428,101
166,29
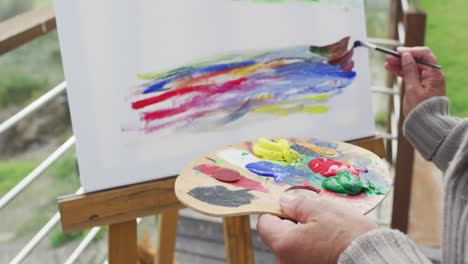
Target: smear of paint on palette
x,y
222,196
244,182
218,92
278,172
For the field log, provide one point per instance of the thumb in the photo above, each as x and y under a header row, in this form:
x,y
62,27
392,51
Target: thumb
x,y
299,208
410,70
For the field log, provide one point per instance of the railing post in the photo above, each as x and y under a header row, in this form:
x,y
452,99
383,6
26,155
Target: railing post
x,y
395,14
415,28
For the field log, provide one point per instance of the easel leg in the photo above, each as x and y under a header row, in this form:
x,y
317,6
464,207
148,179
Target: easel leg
x,y
123,242
238,240
167,233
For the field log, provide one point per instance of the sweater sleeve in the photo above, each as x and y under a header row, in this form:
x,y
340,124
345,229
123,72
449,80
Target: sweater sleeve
x,y
435,134
383,246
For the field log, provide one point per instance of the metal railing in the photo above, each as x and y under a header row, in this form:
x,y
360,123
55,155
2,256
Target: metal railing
x,y
36,23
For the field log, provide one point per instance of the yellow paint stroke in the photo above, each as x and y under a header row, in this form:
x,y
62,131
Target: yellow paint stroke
x,y
281,110
245,71
277,109
315,109
317,97
324,151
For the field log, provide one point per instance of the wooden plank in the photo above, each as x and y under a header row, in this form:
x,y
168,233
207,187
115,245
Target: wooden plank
x,y
415,28
167,233
84,211
123,242
238,240
373,144
23,28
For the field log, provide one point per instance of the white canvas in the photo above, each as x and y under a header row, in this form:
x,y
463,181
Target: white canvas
x,y
105,45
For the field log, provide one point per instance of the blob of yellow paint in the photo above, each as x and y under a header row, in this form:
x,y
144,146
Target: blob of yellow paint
x,y
279,150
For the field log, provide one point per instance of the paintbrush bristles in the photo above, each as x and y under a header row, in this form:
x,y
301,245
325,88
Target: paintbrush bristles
x,y
364,44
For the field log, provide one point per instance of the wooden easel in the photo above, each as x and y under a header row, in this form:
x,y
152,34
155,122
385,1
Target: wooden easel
x,y
120,207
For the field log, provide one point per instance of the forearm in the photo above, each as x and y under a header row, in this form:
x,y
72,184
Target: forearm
x,y
382,246
433,132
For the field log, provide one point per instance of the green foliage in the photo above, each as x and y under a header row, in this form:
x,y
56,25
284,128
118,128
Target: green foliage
x,y
65,169
30,70
58,239
65,180
380,118
447,36
13,172
17,89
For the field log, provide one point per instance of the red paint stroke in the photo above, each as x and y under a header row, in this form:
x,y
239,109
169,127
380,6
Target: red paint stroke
x,y
243,182
342,59
150,129
329,167
348,66
209,89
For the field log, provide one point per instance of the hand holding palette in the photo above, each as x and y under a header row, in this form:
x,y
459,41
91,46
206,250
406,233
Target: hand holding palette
x,y
249,178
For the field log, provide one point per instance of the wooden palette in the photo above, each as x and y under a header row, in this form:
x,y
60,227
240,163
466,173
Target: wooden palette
x,y
211,184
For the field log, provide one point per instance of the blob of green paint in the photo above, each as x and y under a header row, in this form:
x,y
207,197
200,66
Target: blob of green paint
x,y
343,183
372,189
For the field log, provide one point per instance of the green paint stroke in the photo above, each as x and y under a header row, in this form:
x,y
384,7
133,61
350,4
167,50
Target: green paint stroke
x,y
345,183
372,189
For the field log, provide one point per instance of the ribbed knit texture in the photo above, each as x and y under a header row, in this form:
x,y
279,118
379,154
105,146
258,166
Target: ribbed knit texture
x,y
444,140
383,246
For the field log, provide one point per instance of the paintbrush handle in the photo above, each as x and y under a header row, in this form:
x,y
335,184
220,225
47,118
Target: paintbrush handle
x,y
418,60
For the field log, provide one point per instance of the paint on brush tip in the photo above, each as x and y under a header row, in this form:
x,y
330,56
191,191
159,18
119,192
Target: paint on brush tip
x,y
222,196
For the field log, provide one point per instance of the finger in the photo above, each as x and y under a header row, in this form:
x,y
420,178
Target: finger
x,y
271,228
393,60
424,53
410,71
299,208
395,69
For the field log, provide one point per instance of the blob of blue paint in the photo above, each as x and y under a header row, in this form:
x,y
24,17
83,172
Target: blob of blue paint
x,y
278,172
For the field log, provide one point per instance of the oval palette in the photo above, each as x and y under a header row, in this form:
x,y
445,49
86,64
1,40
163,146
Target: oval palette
x,y
247,179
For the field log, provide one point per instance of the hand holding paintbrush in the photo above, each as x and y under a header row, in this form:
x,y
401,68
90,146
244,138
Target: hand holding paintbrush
x,y
393,53
421,82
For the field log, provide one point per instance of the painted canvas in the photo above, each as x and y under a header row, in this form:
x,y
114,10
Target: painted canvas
x,y
154,84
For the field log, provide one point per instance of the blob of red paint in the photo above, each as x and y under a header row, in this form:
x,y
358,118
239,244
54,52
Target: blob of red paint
x,y
244,182
226,175
329,167
305,186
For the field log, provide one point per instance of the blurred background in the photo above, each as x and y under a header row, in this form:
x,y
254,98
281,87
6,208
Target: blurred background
x,y
31,70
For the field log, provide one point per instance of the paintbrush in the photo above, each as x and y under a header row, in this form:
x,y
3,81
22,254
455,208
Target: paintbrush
x,y
392,52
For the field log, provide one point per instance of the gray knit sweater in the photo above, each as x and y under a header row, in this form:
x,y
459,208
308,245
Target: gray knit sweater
x,y
444,140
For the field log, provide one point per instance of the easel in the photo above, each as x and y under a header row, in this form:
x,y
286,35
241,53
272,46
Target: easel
x,y
120,207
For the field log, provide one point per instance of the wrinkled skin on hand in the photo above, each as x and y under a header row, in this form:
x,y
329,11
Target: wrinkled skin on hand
x,y
421,82
324,229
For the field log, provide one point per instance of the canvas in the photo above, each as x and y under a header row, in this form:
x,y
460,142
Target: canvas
x,y
154,84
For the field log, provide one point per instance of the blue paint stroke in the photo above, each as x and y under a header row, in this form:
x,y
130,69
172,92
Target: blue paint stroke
x,y
278,172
